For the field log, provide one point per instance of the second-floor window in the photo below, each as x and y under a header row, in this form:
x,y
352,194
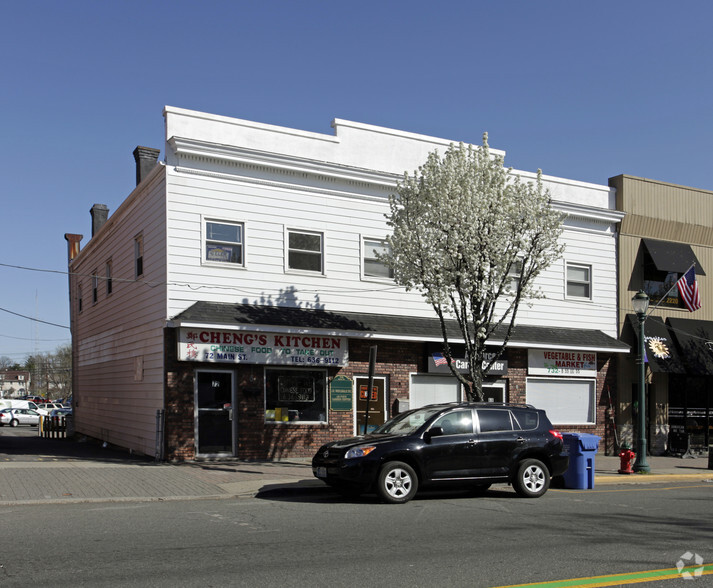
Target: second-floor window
x,y
139,256
224,242
579,281
514,275
95,287
305,251
108,278
373,267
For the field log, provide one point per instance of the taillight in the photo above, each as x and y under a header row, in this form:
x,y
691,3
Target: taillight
x,y
557,435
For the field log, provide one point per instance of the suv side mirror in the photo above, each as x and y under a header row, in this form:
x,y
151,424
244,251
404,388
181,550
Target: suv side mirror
x,y
432,432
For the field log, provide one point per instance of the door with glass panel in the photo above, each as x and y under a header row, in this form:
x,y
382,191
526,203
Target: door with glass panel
x,y
215,432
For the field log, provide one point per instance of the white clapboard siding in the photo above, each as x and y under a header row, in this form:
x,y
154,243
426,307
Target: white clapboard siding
x,y
267,211
123,329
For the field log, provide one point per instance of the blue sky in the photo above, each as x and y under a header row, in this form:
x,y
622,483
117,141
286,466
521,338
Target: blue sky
x,y
583,90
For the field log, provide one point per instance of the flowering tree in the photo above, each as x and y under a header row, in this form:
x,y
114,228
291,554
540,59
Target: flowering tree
x,y
472,237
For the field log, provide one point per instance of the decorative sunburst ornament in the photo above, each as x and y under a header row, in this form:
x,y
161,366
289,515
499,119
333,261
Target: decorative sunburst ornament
x,y
659,348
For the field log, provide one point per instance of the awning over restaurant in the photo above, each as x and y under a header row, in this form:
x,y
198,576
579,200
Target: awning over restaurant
x,y
695,341
672,257
661,351
382,326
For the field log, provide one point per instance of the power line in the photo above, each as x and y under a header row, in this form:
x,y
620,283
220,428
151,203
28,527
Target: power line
x,y
34,319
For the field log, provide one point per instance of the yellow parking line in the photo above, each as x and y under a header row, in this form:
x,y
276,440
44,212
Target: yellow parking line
x,y
621,579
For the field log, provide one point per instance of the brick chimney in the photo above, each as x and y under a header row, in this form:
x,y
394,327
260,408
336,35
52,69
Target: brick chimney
x,y
146,159
72,245
99,212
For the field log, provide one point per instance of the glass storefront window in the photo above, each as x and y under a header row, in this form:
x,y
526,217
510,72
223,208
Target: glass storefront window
x,y
295,395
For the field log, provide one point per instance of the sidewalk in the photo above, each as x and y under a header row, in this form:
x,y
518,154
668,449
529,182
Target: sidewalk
x,y
36,471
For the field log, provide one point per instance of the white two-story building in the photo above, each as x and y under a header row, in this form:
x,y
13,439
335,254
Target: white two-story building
x,y
229,305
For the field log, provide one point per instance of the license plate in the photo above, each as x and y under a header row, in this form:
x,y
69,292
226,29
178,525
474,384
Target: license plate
x,y
320,472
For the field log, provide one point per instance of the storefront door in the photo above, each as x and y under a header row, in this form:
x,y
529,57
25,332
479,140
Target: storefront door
x,y
215,428
377,403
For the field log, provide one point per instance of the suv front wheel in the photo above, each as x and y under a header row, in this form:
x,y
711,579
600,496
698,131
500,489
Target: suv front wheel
x,y
397,482
532,478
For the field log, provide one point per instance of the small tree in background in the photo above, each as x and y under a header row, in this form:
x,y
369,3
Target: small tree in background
x,y
472,237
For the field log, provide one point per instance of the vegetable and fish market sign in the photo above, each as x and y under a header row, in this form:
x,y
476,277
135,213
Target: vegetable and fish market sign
x,y
554,362
218,346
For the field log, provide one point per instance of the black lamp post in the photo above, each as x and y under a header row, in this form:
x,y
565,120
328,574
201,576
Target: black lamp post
x,y
640,302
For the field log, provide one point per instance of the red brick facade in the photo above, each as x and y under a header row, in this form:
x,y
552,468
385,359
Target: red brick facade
x,y
396,361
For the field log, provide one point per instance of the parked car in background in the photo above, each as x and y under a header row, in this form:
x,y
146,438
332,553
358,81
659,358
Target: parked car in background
x,y
19,416
12,403
471,445
48,406
60,412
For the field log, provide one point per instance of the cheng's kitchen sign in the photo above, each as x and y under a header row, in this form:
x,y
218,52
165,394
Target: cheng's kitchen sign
x,y
252,347
545,362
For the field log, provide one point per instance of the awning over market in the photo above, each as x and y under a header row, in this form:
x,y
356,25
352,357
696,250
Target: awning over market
x,y
661,350
695,341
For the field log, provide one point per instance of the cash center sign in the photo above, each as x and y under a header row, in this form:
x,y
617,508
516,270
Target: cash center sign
x,y
556,362
218,346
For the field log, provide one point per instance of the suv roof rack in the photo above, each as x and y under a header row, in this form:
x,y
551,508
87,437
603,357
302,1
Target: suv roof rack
x,y
509,404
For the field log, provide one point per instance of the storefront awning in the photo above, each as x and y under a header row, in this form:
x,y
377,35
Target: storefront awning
x,y
695,341
661,350
672,257
379,326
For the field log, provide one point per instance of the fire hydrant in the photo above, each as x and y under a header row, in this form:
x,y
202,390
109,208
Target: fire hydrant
x,y
626,458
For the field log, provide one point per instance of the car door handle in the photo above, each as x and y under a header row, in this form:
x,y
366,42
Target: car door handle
x,y
520,440
472,442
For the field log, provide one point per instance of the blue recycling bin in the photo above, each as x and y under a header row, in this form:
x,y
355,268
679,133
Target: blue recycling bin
x,y
581,448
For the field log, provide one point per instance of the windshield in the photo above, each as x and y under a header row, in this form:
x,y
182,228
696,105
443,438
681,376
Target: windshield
x,y
408,422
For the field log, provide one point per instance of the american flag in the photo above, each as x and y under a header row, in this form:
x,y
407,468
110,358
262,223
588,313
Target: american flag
x,y
438,359
688,288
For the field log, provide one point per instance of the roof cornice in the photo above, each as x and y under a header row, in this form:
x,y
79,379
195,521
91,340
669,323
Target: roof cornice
x,y
190,148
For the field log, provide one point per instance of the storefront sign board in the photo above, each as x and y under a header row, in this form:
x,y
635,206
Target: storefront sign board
x,y
558,362
340,393
222,346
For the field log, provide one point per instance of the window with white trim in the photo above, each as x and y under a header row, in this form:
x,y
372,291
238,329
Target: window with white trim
x,y
95,287
372,266
579,281
515,274
305,251
224,242
295,396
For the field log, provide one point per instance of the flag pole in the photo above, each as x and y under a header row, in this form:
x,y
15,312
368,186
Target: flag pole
x,y
669,290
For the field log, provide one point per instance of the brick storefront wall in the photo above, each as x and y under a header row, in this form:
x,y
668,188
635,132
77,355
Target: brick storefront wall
x,y
396,361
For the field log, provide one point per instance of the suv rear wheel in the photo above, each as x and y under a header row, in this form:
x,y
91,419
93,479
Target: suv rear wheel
x,y
397,482
532,478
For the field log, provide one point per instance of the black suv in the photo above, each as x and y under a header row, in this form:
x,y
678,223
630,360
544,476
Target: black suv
x,y
477,444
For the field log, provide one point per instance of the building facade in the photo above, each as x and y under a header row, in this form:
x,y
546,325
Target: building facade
x,y
666,231
230,305
14,383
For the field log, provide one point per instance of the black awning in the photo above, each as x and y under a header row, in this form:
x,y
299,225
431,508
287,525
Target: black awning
x,y
695,341
672,257
384,326
661,351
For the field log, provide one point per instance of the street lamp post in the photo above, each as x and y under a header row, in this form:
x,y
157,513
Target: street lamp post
x,y
640,302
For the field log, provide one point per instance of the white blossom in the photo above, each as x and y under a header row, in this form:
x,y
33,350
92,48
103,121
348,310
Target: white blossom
x,y
462,223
